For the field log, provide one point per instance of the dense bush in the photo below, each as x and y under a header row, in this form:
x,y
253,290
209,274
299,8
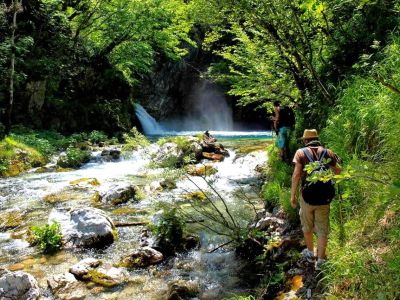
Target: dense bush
x,y
73,158
96,137
48,237
133,140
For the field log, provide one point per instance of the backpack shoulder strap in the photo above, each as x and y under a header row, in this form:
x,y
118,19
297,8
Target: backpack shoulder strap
x,y
323,153
308,154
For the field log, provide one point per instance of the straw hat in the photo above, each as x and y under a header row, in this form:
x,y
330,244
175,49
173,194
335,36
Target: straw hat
x,y
310,134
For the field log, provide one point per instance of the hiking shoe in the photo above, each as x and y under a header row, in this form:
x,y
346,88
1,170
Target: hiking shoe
x,y
319,264
308,255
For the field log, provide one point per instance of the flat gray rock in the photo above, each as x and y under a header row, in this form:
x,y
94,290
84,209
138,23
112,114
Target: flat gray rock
x,y
18,286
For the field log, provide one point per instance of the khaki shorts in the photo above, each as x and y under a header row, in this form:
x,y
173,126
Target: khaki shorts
x,y
314,218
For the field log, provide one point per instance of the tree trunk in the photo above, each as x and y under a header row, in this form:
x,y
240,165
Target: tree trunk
x,y
15,7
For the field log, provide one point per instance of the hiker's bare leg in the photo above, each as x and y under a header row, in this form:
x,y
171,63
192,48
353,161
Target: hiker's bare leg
x,y
308,237
322,242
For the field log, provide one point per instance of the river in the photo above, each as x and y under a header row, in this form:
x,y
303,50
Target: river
x,y
217,274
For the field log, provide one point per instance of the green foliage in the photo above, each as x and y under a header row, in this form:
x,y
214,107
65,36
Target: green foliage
x,y
47,237
73,158
133,140
96,137
362,129
276,189
173,161
169,229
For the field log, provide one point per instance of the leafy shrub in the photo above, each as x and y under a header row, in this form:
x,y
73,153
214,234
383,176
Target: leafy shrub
x,y
134,139
96,137
73,158
169,230
77,138
47,237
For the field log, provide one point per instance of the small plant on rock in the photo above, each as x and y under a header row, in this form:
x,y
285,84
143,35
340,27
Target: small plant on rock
x,y
47,237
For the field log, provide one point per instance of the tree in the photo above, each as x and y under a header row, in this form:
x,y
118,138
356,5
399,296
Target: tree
x,y
15,8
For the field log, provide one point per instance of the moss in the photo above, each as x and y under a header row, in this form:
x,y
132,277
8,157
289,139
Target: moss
x,y
115,233
16,157
10,220
100,279
256,146
84,182
194,196
95,198
124,211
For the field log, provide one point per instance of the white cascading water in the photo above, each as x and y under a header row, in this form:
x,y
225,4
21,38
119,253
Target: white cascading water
x,y
149,124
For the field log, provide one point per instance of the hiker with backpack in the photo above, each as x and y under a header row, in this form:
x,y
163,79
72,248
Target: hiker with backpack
x,y
284,121
316,195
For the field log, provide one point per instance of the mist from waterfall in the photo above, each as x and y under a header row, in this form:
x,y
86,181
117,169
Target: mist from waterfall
x,y
205,109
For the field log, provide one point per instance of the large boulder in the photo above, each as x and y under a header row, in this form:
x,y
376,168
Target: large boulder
x,y
84,227
117,194
110,154
141,258
168,150
66,287
18,286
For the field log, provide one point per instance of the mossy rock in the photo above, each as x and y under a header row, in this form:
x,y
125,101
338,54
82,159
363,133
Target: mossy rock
x,y
100,278
14,168
63,196
194,196
85,182
11,220
95,198
202,170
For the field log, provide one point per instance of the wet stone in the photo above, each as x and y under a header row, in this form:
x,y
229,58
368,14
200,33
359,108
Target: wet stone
x,y
117,194
181,289
18,286
66,287
142,258
84,227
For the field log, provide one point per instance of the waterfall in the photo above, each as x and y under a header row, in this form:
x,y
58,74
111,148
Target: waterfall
x,y
149,124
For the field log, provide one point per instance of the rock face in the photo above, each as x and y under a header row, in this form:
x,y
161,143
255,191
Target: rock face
x,y
66,287
84,227
118,194
142,258
18,286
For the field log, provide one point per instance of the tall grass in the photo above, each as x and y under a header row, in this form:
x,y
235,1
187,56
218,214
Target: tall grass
x,y
364,129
